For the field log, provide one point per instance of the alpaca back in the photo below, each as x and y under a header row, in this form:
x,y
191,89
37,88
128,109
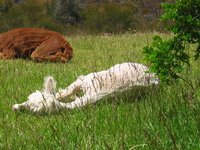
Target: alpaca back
x,y
118,78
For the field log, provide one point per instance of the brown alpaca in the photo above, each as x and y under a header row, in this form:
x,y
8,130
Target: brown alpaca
x,y
36,44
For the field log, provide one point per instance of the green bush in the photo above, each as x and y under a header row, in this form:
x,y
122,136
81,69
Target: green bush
x,y
108,17
168,58
65,11
25,14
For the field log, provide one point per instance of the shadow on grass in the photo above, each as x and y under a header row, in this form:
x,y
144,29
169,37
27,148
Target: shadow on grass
x,y
138,93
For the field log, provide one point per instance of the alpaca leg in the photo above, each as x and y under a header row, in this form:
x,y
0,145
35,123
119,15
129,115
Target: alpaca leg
x,y
81,101
78,102
40,52
70,91
49,50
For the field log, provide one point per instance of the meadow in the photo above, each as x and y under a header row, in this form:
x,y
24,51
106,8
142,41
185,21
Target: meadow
x,y
166,117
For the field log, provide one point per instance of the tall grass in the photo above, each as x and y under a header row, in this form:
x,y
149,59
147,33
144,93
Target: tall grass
x,y
162,119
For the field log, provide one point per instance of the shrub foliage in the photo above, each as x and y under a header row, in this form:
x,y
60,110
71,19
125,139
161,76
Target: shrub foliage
x,y
109,17
66,11
24,14
69,16
168,58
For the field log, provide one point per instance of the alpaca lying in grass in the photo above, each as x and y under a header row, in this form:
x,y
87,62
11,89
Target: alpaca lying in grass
x,y
94,86
36,44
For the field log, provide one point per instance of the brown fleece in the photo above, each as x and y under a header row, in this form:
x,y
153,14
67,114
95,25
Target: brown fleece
x,y
36,44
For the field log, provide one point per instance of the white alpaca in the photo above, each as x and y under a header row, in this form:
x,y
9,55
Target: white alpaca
x,y
94,86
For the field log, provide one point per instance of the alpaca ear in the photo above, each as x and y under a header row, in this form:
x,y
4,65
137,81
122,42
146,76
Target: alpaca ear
x,y
49,85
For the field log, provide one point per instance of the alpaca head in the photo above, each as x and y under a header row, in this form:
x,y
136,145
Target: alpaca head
x,y
41,101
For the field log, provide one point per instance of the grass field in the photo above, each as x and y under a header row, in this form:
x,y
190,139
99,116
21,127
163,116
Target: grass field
x,y
162,119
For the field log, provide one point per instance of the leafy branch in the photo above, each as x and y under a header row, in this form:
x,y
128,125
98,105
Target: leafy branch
x,y
168,58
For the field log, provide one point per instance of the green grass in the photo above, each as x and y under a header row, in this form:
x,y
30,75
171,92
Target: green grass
x,y
161,119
